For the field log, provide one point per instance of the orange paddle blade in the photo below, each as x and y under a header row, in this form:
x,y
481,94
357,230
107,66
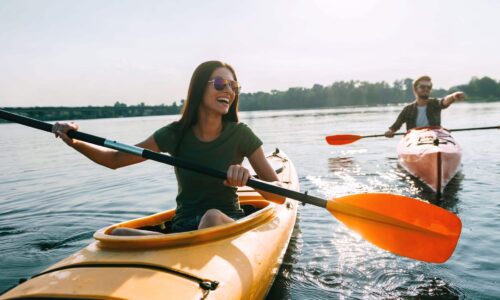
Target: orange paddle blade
x,y
342,139
399,224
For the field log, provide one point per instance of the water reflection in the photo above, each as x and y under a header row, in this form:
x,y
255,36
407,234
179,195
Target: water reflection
x,y
281,288
341,164
317,113
347,266
448,199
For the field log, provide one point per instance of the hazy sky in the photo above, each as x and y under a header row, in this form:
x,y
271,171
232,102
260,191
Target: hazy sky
x,y
75,53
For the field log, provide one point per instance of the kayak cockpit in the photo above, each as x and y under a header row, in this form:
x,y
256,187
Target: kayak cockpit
x,y
257,211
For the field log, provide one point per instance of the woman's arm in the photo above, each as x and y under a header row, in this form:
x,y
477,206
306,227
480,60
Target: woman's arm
x,y
110,158
238,175
266,172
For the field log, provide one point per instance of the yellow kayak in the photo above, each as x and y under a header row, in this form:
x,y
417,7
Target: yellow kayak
x,y
232,261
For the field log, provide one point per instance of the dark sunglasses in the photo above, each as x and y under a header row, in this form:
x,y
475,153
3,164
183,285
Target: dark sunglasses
x,y
221,83
424,86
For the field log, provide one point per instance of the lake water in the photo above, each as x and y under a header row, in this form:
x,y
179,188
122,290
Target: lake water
x,y
52,200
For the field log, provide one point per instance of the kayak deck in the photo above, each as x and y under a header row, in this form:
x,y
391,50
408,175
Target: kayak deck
x,y
233,261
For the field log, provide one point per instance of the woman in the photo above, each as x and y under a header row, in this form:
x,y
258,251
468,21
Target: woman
x,y
208,133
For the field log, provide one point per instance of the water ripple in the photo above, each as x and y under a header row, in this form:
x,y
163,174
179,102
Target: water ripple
x,y
52,243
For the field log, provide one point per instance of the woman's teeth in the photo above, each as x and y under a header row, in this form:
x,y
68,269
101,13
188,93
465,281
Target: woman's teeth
x,y
224,100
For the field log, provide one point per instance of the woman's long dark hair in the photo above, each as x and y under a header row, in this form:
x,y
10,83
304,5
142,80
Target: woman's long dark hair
x,y
197,86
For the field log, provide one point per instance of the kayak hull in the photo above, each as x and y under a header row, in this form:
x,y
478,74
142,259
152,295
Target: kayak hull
x,y
232,261
431,154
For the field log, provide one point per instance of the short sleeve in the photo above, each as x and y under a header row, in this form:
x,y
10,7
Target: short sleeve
x,y
249,142
167,138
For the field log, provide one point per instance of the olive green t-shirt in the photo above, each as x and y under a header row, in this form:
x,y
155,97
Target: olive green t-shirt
x,y
197,192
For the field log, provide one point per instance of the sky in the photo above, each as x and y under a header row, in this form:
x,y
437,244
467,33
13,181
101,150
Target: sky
x,y
79,53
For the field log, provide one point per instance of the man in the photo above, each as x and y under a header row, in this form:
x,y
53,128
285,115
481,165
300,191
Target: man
x,y
424,111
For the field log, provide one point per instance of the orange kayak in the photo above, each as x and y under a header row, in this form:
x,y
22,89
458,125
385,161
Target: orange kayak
x,y
430,154
233,261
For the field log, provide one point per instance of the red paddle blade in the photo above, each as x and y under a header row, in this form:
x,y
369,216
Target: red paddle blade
x,y
402,225
342,139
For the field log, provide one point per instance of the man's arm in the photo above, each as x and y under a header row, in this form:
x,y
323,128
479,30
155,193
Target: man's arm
x,y
399,122
449,99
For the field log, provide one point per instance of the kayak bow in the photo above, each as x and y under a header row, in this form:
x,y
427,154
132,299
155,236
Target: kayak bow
x,y
430,154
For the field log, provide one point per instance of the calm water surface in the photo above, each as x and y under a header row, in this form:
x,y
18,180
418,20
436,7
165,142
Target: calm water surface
x,y
52,200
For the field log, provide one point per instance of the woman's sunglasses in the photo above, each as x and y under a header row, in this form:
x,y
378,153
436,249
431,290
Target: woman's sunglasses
x,y
221,83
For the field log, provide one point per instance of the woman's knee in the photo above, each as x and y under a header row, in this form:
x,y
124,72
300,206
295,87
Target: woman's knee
x,y
132,232
121,231
213,217
213,214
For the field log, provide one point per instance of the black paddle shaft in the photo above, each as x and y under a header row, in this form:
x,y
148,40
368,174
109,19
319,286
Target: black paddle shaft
x,y
476,128
451,130
163,158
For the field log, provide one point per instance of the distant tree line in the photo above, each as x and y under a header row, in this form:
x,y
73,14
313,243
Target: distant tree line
x,y
118,110
361,93
342,93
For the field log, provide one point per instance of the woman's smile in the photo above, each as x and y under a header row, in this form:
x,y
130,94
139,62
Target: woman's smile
x,y
224,100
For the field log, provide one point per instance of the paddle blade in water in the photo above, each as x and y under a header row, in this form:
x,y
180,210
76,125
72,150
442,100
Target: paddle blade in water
x,y
342,139
401,225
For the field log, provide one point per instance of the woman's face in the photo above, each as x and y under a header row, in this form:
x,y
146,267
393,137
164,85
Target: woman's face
x,y
219,100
